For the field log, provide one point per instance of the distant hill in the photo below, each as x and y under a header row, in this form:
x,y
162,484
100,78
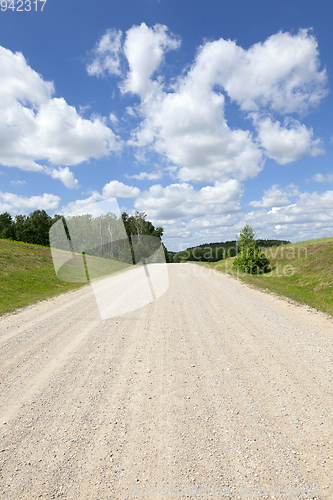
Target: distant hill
x,y
213,252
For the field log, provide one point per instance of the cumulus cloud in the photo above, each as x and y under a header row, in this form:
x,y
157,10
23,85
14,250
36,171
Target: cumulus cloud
x,y
182,233
119,190
17,204
186,122
65,175
276,197
189,129
106,55
308,215
81,207
288,143
192,216
316,202
182,201
113,189
187,126
322,178
144,49
311,215
20,83
36,127
281,74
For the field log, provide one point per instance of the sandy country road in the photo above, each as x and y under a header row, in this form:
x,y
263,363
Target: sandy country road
x,y
214,390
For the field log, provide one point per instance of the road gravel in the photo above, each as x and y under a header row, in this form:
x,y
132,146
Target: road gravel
x,y
214,390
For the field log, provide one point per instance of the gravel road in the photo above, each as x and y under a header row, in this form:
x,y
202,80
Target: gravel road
x,y
214,390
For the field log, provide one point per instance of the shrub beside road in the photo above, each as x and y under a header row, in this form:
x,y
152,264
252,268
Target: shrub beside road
x,y
302,272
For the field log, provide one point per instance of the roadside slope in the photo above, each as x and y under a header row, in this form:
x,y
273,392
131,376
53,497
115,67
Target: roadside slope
x,y
27,274
213,384
302,272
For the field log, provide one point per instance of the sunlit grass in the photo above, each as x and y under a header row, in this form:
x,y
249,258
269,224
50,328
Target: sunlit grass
x,y
310,242
301,271
27,274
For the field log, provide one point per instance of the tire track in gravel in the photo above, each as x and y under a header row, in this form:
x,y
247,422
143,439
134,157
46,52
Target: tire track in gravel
x,y
26,370
254,364
45,312
27,344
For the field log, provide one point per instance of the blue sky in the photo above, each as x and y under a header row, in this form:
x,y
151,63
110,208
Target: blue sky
x,y
206,115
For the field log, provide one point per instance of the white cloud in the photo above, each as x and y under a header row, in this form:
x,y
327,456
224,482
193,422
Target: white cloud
x,y
182,201
111,190
288,143
17,204
113,118
149,176
281,74
80,206
315,203
311,214
21,84
65,175
34,127
65,138
144,49
106,55
189,129
18,183
180,234
213,213
187,124
322,178
276,197
119,190
85,108
131,111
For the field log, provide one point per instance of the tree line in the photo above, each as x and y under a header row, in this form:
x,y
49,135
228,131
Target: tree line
x,y
33,228
213,252
129,238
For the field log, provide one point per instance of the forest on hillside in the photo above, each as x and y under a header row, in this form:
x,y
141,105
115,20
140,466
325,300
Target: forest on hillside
x,y
213,252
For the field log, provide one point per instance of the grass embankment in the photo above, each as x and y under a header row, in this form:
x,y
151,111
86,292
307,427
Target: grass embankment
x,y
301,271
27,274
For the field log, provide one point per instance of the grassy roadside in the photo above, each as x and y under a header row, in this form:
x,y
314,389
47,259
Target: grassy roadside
x,y
27,274
301,271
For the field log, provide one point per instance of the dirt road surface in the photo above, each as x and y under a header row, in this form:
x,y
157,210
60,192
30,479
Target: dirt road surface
x,y
214,390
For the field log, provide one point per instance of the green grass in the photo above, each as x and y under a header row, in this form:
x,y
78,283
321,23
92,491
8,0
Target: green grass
x,y
27,274
311,242
301,271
